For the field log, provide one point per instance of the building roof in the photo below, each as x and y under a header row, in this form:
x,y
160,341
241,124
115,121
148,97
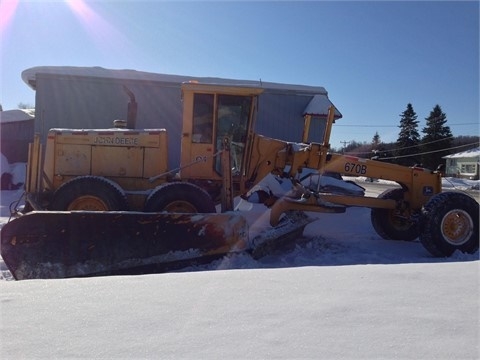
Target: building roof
x,y
464,154
9,116
318,106
29,76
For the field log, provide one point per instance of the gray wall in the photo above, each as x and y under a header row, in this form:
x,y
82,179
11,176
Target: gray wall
x,y
280,115
14,139
67,101
76,102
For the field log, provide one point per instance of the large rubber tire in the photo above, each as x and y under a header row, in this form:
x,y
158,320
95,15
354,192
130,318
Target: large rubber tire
x,y
92,193
392,224
449,222
179,197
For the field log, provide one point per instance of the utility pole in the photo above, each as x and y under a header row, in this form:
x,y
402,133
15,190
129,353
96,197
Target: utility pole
x,y
344,145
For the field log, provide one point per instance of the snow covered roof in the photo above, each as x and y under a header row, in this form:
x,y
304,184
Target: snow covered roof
x,y
319,106
29,76
464,154
16,115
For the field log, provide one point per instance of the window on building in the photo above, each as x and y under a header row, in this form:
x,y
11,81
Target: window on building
x,y
469,168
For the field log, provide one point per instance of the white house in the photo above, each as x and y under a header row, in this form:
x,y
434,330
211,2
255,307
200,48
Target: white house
x,y
464,164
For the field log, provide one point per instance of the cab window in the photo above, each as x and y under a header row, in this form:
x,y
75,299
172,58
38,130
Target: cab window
x,y
203,118
233,113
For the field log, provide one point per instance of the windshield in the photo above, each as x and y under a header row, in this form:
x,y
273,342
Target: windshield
x,y
233,113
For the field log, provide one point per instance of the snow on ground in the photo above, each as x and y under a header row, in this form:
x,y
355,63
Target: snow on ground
x,y
407,311
340,293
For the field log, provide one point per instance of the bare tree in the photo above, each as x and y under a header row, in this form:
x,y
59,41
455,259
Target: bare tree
x,y
25,106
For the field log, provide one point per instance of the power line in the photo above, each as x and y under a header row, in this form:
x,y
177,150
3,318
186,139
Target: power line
x,y
464,124
427,152
356,125
416,154
409,147
365,125
421,144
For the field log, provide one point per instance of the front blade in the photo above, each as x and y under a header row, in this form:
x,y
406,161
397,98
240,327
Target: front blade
x,y
289,229
82,243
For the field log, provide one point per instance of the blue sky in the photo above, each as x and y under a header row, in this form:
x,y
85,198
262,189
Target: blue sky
x,y
373,57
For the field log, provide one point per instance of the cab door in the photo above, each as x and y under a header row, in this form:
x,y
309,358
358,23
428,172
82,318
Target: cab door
x,y
233,122
211,113
198,156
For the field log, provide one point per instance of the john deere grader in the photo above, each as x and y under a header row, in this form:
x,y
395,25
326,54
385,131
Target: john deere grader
x,y
102,201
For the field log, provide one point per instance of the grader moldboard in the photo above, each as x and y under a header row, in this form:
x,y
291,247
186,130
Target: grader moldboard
x,y
103,202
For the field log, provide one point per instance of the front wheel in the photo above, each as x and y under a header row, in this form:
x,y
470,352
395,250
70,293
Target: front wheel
x,y
394,224
449,222
179,197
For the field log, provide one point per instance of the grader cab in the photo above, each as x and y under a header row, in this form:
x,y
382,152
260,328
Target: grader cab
x,y
104,200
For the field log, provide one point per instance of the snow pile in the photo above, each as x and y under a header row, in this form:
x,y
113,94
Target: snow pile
x,y
460,184
5,165
13,175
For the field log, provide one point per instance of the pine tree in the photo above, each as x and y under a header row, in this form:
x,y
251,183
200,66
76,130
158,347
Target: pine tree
x,y
376,140
437,139
408,138
376,146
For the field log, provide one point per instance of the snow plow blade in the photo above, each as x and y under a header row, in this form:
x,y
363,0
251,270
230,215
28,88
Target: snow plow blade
x,y
288,230
63,244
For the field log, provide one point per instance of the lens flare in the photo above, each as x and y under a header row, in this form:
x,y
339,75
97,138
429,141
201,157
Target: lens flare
x,y
101,31
7,10
80,8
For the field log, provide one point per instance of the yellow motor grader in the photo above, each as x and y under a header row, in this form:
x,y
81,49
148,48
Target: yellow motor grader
x,y
103,201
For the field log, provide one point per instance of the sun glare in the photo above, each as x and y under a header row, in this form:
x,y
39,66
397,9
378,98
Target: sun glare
x,y
100,30
80,8
7,9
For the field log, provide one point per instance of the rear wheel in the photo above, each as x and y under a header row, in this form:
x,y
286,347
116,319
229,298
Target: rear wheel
x,y
91,193
180,197
393,224
449,222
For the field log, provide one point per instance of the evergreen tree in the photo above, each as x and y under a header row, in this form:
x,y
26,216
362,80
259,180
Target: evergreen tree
x,y
437,139
376,141
376,146
408,138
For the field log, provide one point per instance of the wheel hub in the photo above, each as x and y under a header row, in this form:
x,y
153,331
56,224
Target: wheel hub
x,y
457,227
180,207
400,220
89,203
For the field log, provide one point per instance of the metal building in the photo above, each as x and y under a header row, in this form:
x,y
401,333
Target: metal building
x,y
92,97
16,131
